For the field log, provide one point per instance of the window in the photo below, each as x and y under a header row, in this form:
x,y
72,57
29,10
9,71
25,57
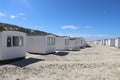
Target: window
x,y
81,41
9,41
21,41
53,41
76,42
48,40
66,42
15,41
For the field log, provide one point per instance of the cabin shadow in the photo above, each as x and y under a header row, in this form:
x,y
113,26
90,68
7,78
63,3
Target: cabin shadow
x,y
82,47
4,62
41,53
25,62
61,53
87,46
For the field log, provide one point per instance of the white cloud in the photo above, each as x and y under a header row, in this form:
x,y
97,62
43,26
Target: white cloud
x,y
88,27
12,16
2,14
21,14
69,27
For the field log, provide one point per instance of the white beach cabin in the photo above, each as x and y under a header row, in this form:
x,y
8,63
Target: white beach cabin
x,y
81,42
74,44
62,43
96,42
117,42
41,44
111,42
100,42
12,45
105,42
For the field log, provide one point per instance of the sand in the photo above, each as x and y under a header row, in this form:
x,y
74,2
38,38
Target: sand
x,y
95,63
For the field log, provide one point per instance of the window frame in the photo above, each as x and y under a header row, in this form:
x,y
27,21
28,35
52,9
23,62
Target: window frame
x,y
16,42
13,39
10,37
21,39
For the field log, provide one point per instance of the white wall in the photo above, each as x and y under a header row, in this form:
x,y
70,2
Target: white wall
x,y
111,42
78,42
117,43
73,44
60,43
82,42
39,44
106,43
36,44
100,42
13,51
0,45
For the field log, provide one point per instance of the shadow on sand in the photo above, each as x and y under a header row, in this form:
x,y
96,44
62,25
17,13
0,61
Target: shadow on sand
x,y
4,62
21,62
87,46
61,53
42,53
25,62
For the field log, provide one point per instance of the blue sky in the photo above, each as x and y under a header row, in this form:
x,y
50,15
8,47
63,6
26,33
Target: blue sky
x,y
92,19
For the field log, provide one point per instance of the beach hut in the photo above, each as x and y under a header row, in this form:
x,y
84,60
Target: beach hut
x,y
104,42
41,44
100,42
62,43
82,42
111,42
117,42
74,44
12,45
96,42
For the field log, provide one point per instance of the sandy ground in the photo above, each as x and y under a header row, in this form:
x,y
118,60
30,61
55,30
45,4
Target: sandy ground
x,y
95,63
